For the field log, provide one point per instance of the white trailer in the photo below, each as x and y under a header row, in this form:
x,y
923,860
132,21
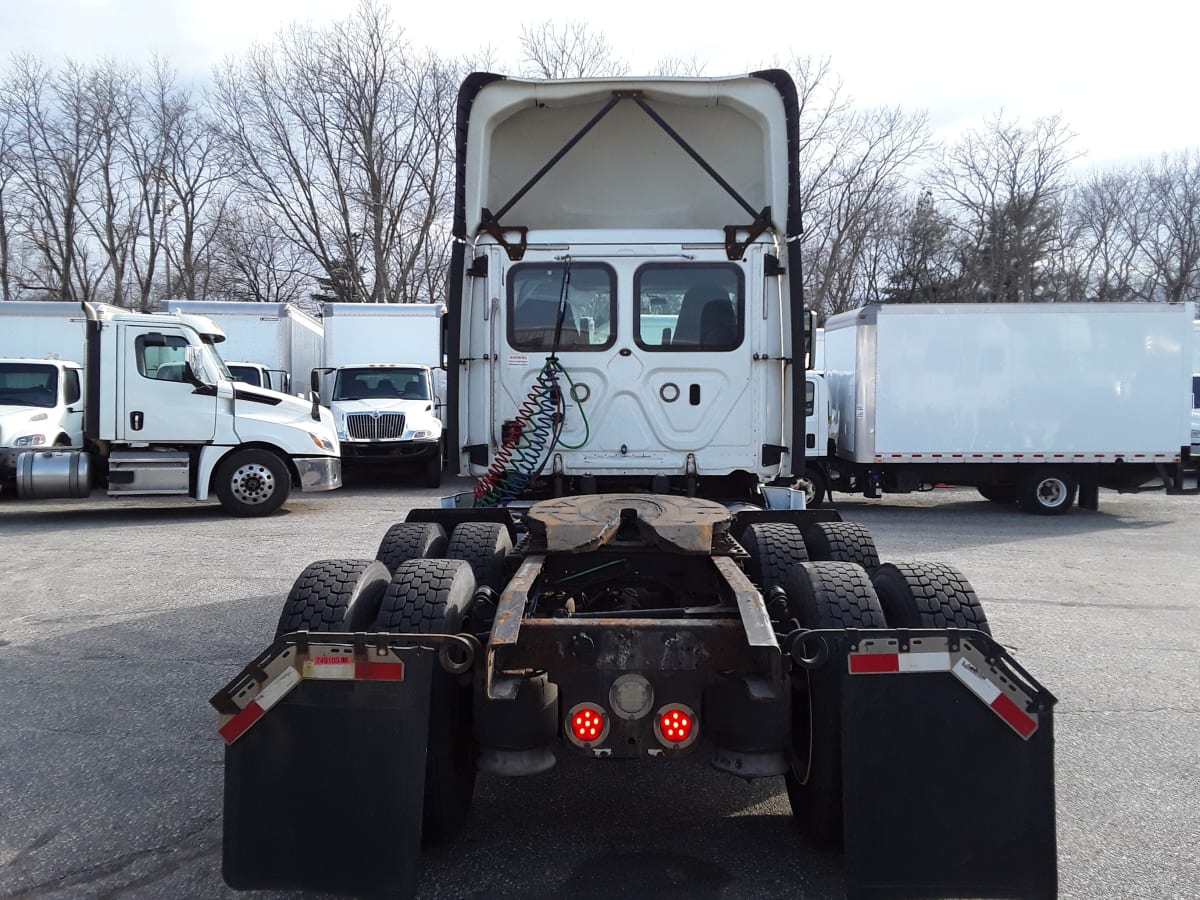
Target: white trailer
x,y
1027,402
385,383
271,345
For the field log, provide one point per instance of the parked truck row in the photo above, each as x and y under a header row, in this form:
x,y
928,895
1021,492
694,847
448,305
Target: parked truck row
x,y
144,405
383,410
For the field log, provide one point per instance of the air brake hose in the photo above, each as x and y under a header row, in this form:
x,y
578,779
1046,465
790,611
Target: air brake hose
x,y
526,449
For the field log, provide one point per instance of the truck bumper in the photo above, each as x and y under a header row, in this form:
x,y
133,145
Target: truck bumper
x,y
389,451
319,473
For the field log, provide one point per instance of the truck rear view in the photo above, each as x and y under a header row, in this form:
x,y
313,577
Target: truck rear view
x,y
622,323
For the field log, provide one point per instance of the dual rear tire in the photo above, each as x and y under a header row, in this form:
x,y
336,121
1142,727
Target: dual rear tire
x,y
421,583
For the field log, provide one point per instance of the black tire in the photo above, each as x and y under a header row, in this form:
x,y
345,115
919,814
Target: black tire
x,y
816,497
1048,491
432,596
998,493
485,545
927,595
825,594
774,547
411,540
841,542
335,595
433,470
252,482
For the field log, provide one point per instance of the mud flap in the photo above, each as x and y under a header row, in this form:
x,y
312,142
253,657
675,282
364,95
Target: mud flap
x,y
948,769
323,789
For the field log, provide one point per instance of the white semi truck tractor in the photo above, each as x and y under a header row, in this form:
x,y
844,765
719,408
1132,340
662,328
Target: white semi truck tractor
x,y
152,410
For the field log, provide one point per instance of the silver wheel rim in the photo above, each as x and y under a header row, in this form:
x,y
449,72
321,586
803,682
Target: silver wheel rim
x,y
253,484
1052,492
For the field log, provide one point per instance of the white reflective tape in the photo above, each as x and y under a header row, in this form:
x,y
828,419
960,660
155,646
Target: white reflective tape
x,y
277,689
980,686
935,661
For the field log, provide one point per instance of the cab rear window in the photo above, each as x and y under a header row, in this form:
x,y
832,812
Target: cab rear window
x,y
697,307
560,307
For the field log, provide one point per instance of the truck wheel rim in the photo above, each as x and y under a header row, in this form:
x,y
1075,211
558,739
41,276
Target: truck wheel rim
x,y
1052,492
253,484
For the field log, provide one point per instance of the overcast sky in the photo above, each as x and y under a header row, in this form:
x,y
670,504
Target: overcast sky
x,y
1122,76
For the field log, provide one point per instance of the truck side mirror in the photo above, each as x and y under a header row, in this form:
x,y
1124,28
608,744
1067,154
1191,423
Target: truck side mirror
x,y
314,385
193,367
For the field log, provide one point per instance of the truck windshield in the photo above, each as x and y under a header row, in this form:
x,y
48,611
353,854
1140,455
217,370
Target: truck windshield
x,y
28,384
384,383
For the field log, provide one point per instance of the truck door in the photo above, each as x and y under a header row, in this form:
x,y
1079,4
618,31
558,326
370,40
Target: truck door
x,y
660,351
156,403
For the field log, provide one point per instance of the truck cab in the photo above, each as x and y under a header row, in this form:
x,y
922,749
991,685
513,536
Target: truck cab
x,y
386,413
41,405
619,333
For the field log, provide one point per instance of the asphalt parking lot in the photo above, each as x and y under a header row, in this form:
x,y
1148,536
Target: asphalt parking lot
x,y
120,619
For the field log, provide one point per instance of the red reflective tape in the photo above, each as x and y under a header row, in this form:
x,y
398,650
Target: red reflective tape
x,y
379,671
869,663
1021,721
236,727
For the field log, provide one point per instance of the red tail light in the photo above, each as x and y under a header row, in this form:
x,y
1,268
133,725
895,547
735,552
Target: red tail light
x,y
587,724
676,725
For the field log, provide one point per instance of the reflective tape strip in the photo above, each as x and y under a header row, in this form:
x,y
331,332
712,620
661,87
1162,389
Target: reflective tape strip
x,y
379,671
344,667
1019,720
253,711
873,663
943,661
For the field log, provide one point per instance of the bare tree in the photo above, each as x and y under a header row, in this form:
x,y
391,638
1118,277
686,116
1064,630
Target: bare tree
x,y
346,136
678,67
1107,222
8,174
1171,245
55,147
1007,184
111,204
861,202
569,50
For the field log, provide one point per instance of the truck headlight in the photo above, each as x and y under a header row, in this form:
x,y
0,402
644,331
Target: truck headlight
x,y
30,440
321,442
422,435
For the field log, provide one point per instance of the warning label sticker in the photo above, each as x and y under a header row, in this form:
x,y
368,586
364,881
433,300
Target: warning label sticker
x,y
518,360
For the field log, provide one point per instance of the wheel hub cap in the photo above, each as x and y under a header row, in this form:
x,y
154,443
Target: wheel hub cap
x,y
253,484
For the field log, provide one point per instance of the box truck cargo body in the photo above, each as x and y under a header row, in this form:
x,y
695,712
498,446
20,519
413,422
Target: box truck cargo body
x,y
384,382
1014,398
271,345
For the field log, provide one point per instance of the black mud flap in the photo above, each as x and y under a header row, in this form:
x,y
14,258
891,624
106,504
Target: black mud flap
x,y
324,788
948,768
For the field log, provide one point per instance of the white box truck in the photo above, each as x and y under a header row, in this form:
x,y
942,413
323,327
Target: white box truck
x,y
271,345
151,410
1027,402
384,378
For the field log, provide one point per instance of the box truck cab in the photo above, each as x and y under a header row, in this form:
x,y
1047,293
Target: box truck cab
x,y
385,413
41,405
162,415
